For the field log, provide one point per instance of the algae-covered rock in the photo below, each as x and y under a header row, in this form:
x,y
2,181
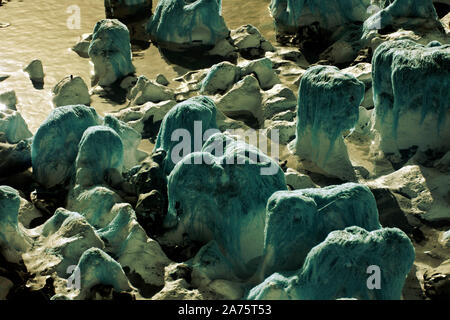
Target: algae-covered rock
x,y
299,220
189,121
13,241
110,51
220,194
181,23
100,150
349,263
328,102
411,91
55,144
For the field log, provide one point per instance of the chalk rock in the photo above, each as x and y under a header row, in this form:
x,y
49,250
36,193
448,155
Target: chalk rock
x,y
55,144
13,240
278,99
116,232
326,14
97,267
328,102
243,99
100,150
8,99
13,127
63,239
143,256
347,264
145,119
110,51
82,46
220,78
298,180
14,158
281,132
147,90
95,204
298,220
223,198
70,91
35,71
421,192
250,42
180,24
189,121
263,70
411,96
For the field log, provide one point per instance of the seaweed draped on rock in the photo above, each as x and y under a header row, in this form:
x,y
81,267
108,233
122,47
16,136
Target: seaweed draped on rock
x,y
190,121
328,105
187,23
110,51
299,220
411,89
347,265
220,194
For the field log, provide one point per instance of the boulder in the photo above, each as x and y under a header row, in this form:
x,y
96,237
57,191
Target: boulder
x,y
328,102
301,219
97,267
147,90
220,78
263,71
13,240
411,93
55,144
243,100
63,239
8,99
298,180
100,150
189,121
223,197
325,14
14,158
35,71
349,263
278,99
197,24
70,91
110,52
13,127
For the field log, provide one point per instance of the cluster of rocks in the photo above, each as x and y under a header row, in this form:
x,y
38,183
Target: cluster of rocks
x,y
249,226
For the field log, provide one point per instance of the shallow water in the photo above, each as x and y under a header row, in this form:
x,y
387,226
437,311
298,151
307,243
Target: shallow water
x,y
38,30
